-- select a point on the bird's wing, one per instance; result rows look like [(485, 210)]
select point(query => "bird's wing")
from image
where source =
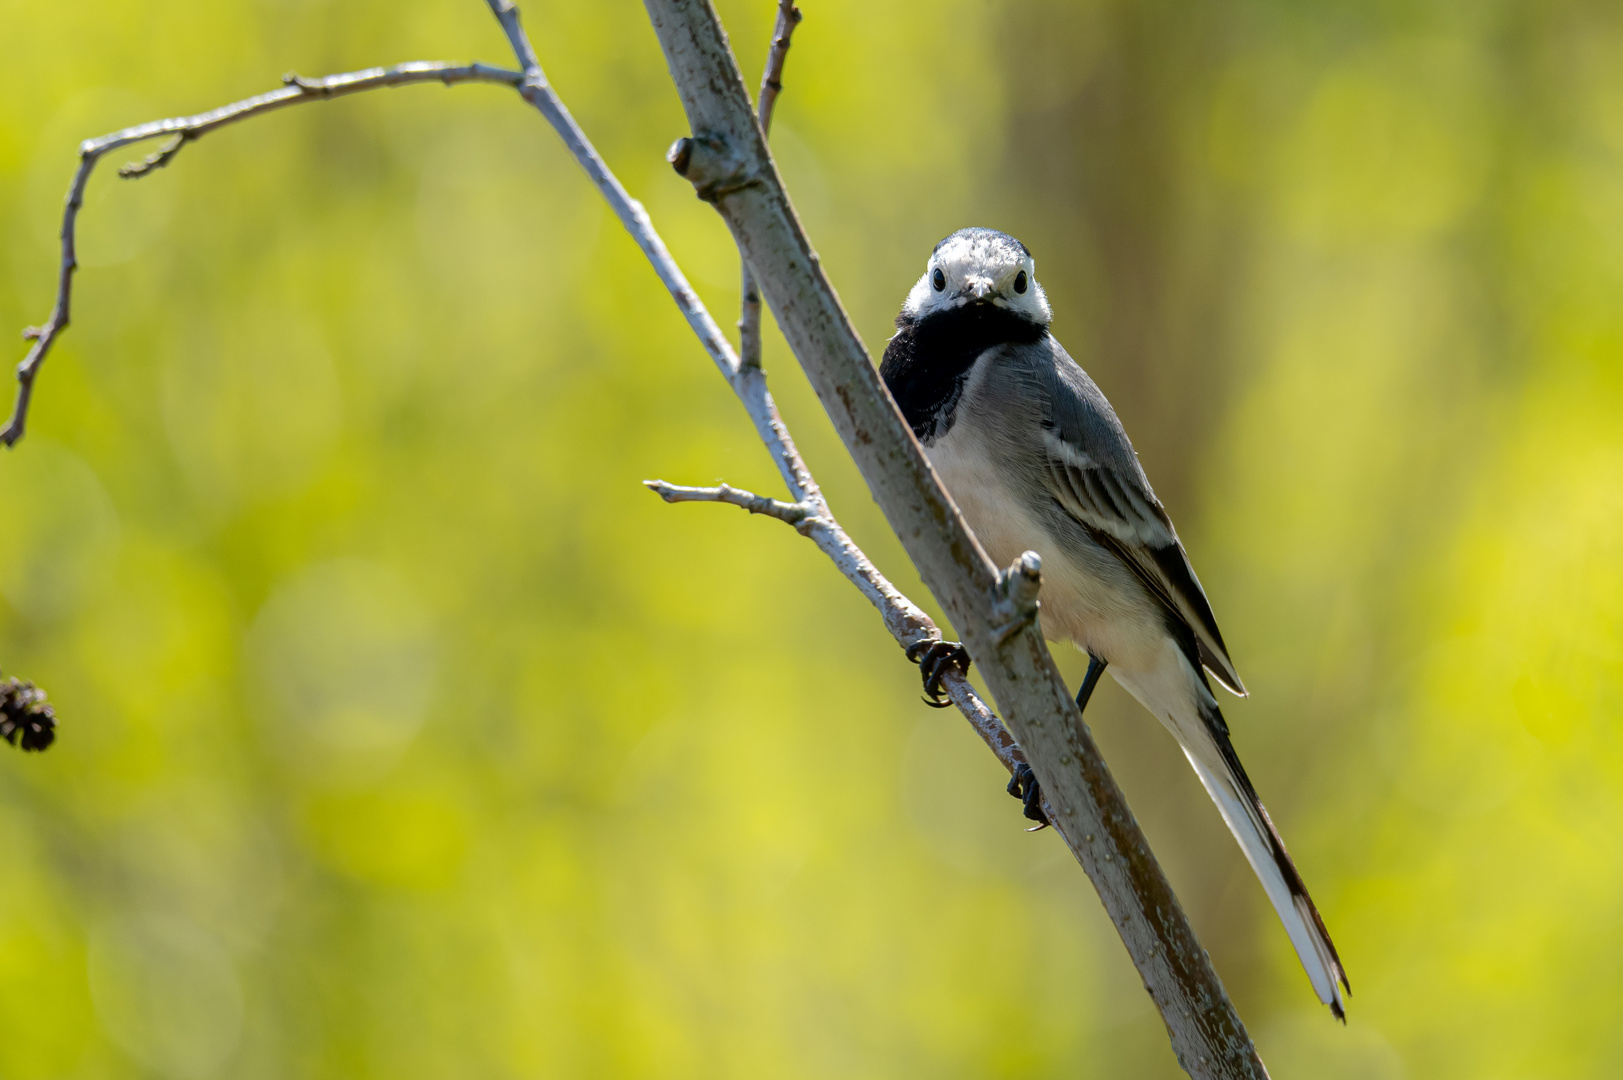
[(1093, 474)]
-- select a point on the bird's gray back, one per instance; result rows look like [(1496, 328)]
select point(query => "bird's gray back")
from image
[(1013, 395), (1016, 392)]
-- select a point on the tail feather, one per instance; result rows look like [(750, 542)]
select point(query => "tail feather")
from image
[(1226, 781)]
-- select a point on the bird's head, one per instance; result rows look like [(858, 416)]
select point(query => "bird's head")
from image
[(979, 266)]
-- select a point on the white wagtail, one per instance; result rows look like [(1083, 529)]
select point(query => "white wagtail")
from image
[(1036, 459)]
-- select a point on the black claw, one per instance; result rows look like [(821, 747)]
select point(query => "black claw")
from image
[(1023, 786), (933, 659)]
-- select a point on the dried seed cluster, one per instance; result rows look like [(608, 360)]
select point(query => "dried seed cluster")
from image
[(26, 719)]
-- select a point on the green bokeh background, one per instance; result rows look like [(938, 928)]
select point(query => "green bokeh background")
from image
[(405, 735)]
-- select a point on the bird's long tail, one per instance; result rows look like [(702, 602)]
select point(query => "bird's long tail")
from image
[(1225, 780)]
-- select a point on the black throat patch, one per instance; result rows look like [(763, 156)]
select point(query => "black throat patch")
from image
[(927, 363)]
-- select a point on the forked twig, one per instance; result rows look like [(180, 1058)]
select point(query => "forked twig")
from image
[(185, 129)]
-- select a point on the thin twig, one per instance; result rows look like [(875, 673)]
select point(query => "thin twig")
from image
[(185, 129), (796, 514), (749, 316), (789, 17)]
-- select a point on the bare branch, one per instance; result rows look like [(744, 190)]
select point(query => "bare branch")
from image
[(727, 161), (749, 317), (795, 514), (153, 161), (772, 77), (185, 129)]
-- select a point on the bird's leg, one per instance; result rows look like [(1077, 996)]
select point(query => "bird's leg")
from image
[(1023, 784), (1096, 668), (933, 659)]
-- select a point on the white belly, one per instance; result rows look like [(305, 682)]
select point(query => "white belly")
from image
[(1001, 522), (1108, 618)]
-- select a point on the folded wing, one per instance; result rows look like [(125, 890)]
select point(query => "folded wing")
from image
[(1122, 514)]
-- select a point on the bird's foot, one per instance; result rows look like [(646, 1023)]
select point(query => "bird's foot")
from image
[(934, 657), (1023, 786)]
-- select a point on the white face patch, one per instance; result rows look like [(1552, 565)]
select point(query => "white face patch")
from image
[(979, 265)]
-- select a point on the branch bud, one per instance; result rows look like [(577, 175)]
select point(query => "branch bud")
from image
[(1016, 604), (710, 164)]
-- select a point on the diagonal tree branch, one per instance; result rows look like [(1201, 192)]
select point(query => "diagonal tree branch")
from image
[(727, 161), (185, 129)]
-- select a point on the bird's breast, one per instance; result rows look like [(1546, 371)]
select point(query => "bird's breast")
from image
[(1000, 520)]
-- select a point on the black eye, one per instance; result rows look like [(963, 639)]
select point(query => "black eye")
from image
[(938, 279), (1020, 282)]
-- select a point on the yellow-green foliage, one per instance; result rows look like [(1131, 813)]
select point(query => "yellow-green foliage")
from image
[(405, 735)]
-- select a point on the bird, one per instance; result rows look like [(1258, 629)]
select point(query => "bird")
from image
[(1035, 458)]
